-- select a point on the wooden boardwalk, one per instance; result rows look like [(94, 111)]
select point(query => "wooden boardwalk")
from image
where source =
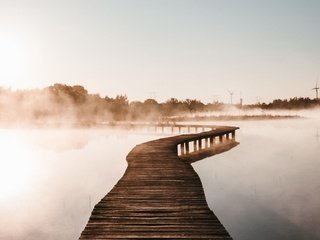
[(160, 196)]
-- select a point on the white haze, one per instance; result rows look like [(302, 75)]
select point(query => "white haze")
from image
[(235, 111), (64, 172), (265, 188)]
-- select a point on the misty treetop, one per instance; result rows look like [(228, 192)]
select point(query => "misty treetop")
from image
[(61, 103)]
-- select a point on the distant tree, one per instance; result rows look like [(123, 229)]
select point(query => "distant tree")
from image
[(150, 102), (135, 110), (118, 107), (78, 93), (194, 105), (61, 93), (174, 107)]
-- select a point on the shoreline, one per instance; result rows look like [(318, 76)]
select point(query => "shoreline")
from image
[(127, 124)]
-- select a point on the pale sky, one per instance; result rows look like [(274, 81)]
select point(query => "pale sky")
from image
[(175, 48)]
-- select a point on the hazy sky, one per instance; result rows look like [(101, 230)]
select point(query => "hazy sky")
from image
[(176, 48)]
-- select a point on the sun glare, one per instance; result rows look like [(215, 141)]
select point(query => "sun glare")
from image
[(16, 166)]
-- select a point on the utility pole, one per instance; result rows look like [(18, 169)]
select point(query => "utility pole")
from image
[(231, 96), (316, 88)]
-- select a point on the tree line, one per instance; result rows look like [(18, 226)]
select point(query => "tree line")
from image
[(64, 103), (291, 104)]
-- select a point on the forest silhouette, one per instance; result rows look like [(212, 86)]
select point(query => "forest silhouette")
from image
[(62, 103)]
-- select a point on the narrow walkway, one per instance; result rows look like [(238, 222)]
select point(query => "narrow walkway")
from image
[(160, 196)]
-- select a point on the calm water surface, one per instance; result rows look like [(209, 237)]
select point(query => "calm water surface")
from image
[(266, 188)]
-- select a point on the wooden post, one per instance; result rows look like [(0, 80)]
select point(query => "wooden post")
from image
[(200, 143), (211, 141), (195, 145), (233, 134), (220, 138), (206, 143), (227, 136), (182, 148), (187, 147)]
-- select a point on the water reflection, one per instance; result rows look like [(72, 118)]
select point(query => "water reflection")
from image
[(15, 175), (267, 187), (51, 179)]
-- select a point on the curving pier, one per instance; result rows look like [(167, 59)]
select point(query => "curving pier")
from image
[(160, 196)]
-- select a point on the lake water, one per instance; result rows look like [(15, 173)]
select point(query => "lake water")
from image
[(266, 188)]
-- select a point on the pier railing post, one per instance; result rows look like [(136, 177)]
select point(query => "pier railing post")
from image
[(182, 149), (211, 141)]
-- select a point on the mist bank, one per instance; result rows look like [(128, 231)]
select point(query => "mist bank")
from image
[(236, 117), (61, 104)]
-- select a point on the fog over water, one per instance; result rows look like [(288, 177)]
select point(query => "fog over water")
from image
[(51, 179), (268, 186), (265, 188)]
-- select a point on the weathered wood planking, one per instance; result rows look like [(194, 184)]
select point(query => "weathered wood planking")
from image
[(160, 196)]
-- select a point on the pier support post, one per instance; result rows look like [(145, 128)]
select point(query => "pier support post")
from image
[(182, 149), (187, 147), (194, 145), (211, 141), (206, 143), (200, 143), (220, 138), (233, 134)]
